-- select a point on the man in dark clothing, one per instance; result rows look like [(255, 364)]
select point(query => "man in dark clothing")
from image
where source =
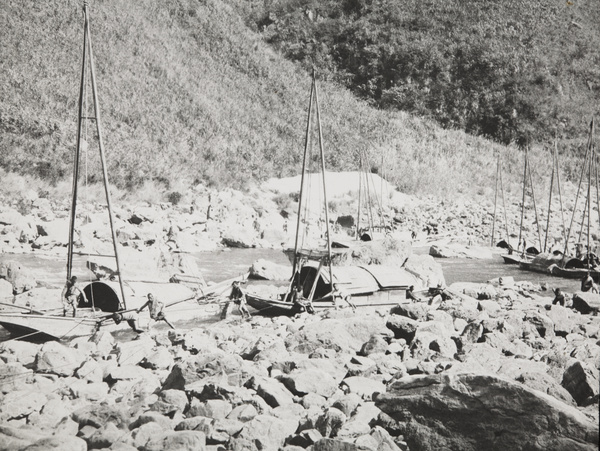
[(559, 297), (411, 295), (587, 284)]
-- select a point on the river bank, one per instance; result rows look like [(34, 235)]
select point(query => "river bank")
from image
[(395, 379), (332, 381)]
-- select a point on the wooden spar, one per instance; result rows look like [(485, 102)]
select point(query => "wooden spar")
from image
[(102, 159), (549, 205), (585, 160), (597, 189), (523, 203), (300, 198), (504, 206), (77, 149), (495, 201), (324, 185), (584, 214), (589, 201), (360, 163), (311, 295), (562, 213), (537, 220)]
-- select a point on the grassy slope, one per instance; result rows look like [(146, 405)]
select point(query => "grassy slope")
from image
[(189, 94), (511, 70)]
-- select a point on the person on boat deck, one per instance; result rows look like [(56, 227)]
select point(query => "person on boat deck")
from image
[(299, 303), (411, 295), (337, 294), (579, 250), (559, 297), (70, 296), (588, 284), (130, 317), (238, 297), (155, 307)]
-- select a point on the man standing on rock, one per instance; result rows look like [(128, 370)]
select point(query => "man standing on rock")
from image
[(70, 296), (155, 307)]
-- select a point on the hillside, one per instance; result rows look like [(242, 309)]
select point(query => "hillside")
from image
[(513, 71), (190, 94)]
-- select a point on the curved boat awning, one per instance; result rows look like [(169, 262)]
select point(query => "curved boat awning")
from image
[(106, 295), (355, 280)]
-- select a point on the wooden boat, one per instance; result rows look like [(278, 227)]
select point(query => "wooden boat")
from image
[(314, 272), (49, 326), (368, 285), (543, 263)]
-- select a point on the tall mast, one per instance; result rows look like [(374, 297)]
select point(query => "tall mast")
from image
[(324, 185), (300, 198), (549, 203), (583, 167), (77, 148), (360, 170), (589, 199), (495, 201), (89, 57), (523, 201)]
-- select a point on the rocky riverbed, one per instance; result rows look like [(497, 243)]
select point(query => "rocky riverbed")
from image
[(495, 366)]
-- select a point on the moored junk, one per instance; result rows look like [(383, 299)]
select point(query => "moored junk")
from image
[(314, 274)]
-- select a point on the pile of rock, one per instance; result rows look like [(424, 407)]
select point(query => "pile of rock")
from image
[(493, 367)]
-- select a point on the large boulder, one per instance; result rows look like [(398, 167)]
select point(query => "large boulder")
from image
[(341, 334), (207, 367), (426, 269), (302, 382), (20, 403), (19, 351), (586, 302), (177, 440), (264, 432), (402, 326), (14, 376), (476, 411), (56, 358), (266, 270), (581, 380), (272, 391)]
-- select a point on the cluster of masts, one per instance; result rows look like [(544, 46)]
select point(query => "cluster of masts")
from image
[(589, 176)]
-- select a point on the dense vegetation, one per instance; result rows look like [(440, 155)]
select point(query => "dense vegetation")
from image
[(515, 71), (190, 94)]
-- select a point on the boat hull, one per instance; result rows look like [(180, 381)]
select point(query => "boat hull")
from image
[(59, 327), (275, 307), (574, 273)]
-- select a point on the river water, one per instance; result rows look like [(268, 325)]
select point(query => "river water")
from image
[(223, 264)]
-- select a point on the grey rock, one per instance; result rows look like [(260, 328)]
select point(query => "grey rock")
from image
[(470, 412)]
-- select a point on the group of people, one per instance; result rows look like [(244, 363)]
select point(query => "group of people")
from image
[(72, 296)]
